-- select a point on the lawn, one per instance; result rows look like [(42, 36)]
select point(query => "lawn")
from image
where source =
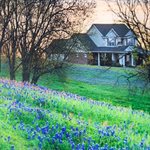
[(33, 117), (101, 84), (98, 83)]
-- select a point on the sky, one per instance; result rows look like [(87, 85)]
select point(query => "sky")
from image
[(101, 14)]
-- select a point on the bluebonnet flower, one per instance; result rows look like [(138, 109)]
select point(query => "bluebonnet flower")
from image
[(72, 145), (40, 146), (64, 129), (8, 138), (45, 129), (40, 139), (12, 147), (142, 143)]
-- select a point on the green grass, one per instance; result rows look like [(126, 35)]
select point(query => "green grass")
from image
[(23, 108), (98, 83), (105, 89)]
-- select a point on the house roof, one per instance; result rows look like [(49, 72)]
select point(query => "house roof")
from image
[(85, 40), (63, 44), (56, 44), (110, 49), (120, 29)]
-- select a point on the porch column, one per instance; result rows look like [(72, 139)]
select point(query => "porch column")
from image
[(99, 63), (132, 60), (113, 57), (122, 60)]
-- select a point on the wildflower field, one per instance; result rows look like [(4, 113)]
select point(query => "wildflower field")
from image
[(33, 117), (98, 83)]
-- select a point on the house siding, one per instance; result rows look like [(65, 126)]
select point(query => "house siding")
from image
[(78, 58), (111, 36), (96, 36)]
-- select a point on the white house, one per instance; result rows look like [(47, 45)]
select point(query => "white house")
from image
[(114, 44), (106, 44)]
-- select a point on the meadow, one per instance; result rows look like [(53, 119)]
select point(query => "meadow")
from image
[(34, 117), (98, 83), (101, 84)]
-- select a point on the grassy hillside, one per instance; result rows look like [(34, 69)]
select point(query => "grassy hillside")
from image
[(98, 83), (34, 117), (102, 84)]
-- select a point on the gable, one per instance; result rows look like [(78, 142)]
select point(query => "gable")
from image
[(93, 30), (112, 33), (96, 36), (86, 41), (130, 34), (129, 49)]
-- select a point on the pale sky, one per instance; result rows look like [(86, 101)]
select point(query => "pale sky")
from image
[(102, 14)]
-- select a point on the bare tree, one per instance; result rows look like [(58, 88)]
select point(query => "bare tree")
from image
[(35, 24), (54, 58), (136, 15), (11, 36), (43, 21), (5, 17)]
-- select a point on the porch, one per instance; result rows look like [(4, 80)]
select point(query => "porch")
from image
[(113, 59)]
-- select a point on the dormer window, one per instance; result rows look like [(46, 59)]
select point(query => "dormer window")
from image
[(120, 41), (130, 41), (111, 42)]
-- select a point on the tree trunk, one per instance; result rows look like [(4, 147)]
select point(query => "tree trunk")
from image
[(12, 74), (12, 61), (25, 72), (0, 56), (35, 79)]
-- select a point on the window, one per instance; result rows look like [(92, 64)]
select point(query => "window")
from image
[(130, 41), (85, 55), (111, 42), (57, 57), (120, 41)]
